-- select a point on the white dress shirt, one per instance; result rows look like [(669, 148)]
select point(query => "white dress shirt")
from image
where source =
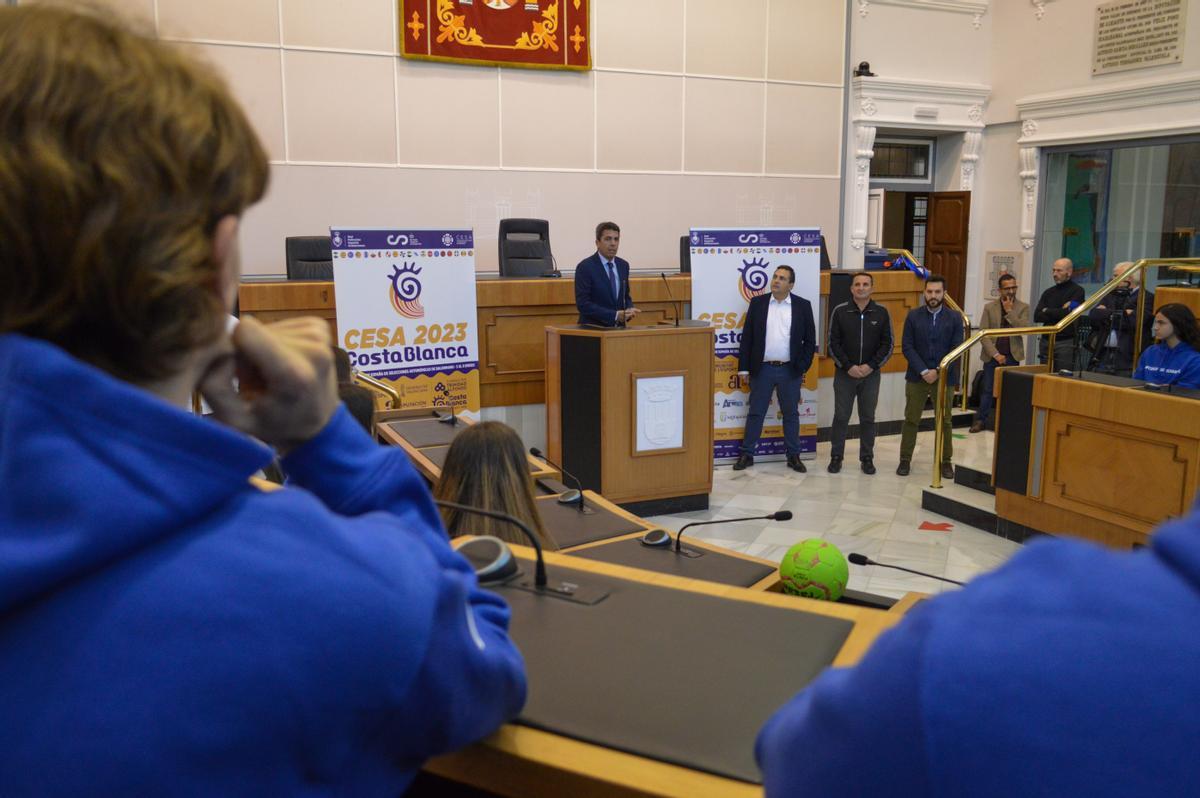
[(779, 330)]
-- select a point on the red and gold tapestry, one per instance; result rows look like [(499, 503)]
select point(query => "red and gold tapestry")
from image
[(541, 34)]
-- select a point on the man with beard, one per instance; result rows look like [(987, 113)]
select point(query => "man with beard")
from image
[(1057, 301), (930, 332), (1007, 311)]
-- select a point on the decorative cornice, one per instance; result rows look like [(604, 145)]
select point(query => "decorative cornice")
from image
[(920, 90), (1118, 97), (975, 7)]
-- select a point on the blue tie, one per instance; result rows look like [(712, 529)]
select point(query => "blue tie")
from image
[(612, 278)]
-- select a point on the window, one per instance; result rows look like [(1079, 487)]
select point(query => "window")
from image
[(1107, 203), (899, 160)]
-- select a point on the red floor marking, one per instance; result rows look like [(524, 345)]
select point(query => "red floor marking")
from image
[(929, 526)]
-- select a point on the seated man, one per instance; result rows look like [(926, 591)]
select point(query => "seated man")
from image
[(165, 627), (1114, 327)]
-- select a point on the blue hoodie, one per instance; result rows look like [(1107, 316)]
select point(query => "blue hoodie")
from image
[(1163, 365), (1071, 671), (168, 629)]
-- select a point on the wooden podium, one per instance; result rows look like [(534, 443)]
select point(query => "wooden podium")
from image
[(629, 412)]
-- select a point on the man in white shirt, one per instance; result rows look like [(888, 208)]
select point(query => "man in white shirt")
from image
[(778, 343)]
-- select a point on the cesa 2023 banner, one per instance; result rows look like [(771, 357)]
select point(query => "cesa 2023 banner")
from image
[(731, 266), (406, 311)]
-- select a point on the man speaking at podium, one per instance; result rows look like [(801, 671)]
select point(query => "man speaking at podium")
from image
[(602, 282), (778, 343)]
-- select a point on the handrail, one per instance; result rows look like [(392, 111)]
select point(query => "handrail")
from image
[(382, 387), (966, 320), (1138, 268)]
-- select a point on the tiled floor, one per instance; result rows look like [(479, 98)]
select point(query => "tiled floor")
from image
[(878, 516)]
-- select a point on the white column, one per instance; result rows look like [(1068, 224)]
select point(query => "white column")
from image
[(971, 146), (1029, 183), (864, 136)]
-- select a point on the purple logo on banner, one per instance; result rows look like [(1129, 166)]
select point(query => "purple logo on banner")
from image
[(406, 291), (401, 239), (804, 237)]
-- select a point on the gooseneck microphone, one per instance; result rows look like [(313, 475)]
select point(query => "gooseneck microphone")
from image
[(862, 559), (570, 591), (573, 496), (539, 579), (782, 515), (678, 307), (451, 419)]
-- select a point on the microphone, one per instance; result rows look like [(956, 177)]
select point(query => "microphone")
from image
[(451, 419), (678, 307), (540, 577), (782, 515), (862, 559), (571, 591), (573, 496)]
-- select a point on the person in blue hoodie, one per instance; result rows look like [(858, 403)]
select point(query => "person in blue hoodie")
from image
[(1175, 358), (166, 627), (1072, 670)]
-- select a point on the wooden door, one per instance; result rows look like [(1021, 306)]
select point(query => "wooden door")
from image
[(946, 239)]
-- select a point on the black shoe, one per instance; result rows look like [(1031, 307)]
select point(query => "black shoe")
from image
[(948, 471), (743, 461), (868, 467), (976, 426), (904, 467), (796, 464), (835, 465)]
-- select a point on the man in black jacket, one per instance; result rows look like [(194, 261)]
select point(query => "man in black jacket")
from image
[(778, 343), (860, 342), (1057, 301)]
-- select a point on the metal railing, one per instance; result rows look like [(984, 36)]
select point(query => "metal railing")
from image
[(1137, 270)]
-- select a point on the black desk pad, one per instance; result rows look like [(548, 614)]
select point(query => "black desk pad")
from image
[(424, 432), (711, 566), (569, 527), (672, 675), (437, 456)]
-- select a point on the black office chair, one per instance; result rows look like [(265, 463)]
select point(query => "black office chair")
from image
[(525, 248), (685, 254), (308, 257)]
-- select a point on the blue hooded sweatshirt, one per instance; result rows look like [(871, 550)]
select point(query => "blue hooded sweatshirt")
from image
[(1071, 671), (1163, 365), (168, 629)]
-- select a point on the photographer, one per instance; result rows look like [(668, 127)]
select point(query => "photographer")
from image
[(1114, 326)]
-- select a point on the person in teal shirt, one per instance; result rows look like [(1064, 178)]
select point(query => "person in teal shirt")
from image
[(1175, 359)]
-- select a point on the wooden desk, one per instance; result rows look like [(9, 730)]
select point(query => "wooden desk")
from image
[(1107, 463), (1184, 296), (427, 467), (520, 761), (512, 314)]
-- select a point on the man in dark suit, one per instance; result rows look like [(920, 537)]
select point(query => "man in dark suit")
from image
[(1114, 327), (602, 282), (778, 343)]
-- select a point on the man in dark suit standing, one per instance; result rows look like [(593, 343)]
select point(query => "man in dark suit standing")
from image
[(778, 343), (602, 282)]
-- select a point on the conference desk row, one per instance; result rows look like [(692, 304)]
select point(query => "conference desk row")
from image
[(660, 688), (512, 315)]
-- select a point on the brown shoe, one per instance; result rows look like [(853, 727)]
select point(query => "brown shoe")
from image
[(976, 426)]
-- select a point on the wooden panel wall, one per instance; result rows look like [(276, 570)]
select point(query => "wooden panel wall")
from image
[(512, 316)]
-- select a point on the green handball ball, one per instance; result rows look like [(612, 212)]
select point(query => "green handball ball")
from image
[(815, 569)]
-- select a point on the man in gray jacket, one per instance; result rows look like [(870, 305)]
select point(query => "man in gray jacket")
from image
[(1007, 311)]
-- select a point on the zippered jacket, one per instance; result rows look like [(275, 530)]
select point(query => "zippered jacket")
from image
[(862, 337)]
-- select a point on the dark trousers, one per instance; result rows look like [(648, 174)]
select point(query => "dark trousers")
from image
[(774, 379), (845, 390), (915, 395), (986, 400), (1064, 352)]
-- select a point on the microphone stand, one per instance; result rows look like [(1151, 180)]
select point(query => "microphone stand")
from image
[(678, 307), (782, 515), (573, 496)]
